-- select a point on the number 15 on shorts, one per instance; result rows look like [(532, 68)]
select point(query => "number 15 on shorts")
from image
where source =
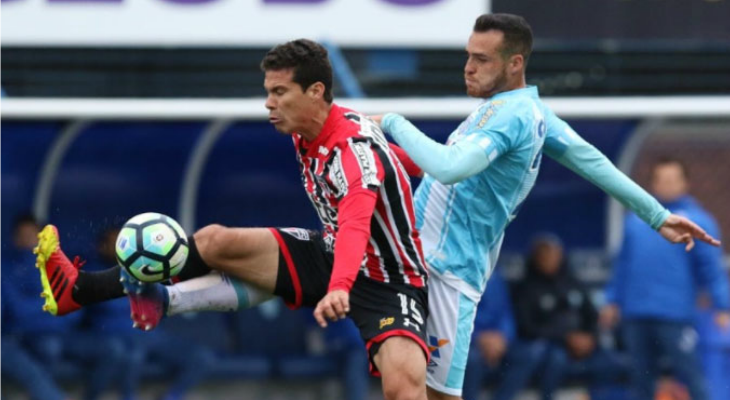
[(411, 313)]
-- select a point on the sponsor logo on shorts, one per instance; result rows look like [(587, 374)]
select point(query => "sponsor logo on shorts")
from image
[(386, 322), (416, 325), (434, 344), (297, 233)]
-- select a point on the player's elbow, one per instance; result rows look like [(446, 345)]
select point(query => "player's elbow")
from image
[(458, 164), (447, 176)]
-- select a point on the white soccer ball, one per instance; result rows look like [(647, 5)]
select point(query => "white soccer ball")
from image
[(152, 247)]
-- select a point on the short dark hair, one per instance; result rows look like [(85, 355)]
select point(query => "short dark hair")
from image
[(668, 160), (24, 219), (516, 30), (307, 58)]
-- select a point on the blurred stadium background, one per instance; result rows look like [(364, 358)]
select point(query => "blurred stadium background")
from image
[(115, 107)]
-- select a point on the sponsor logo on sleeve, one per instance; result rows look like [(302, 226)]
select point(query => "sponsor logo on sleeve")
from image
[(366, 161), (337, 175)]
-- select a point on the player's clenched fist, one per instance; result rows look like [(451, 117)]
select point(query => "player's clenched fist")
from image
[(335, 305)]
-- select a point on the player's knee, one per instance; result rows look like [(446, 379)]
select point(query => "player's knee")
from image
[(218, 244), (405, 388), (407, 385), (210, 240), (436, 395)]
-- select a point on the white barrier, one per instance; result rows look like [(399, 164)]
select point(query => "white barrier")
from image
[(421, 108)]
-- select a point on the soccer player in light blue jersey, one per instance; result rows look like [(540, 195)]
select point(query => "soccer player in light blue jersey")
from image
[(475, 183)]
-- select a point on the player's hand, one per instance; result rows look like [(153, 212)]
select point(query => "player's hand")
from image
[(678, 229), (378, 119), (722, 319), (334, 306)]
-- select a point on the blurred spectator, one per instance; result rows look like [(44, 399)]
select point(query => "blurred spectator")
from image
[(556, 327), (110, 321), (345, 345), (34, 344), (340, 342), (20, 367), (301, 349), (714, 351), (494, 331), (655, 285)]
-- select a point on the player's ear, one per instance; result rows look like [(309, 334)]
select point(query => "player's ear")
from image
[(516, 63), (316, 90)]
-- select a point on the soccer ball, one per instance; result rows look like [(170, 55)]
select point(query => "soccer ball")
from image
[(152, 247)]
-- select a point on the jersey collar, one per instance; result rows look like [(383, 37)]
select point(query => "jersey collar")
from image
[(530, 91), (329, 127)]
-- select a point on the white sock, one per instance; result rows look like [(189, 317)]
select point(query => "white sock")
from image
[(213, 292)]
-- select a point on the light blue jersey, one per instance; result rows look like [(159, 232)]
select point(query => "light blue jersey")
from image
[(475, 185), (462, 224)]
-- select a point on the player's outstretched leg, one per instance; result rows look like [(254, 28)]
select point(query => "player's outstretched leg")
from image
[(247, 259), (246, 255), (402, 364)]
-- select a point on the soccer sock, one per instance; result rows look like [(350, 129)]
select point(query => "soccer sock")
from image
[(95, 287), (194, 265), (213, 292)]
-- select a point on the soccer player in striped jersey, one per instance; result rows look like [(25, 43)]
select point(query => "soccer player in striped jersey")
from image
[(475, 184), (367, 263)]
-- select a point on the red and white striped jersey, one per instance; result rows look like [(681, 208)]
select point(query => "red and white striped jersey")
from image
[(362, 194)]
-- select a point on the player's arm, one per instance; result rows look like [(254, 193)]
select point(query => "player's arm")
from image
[(565, 146), (412, 169), (363, 174), (447, 164)]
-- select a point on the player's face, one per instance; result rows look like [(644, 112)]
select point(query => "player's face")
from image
[(485, 72), (289, 106), (668, 182)]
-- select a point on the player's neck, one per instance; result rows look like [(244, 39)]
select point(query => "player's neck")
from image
[(314, 126), (515, 84)]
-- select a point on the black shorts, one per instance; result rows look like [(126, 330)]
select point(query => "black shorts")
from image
[(380, 310)]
